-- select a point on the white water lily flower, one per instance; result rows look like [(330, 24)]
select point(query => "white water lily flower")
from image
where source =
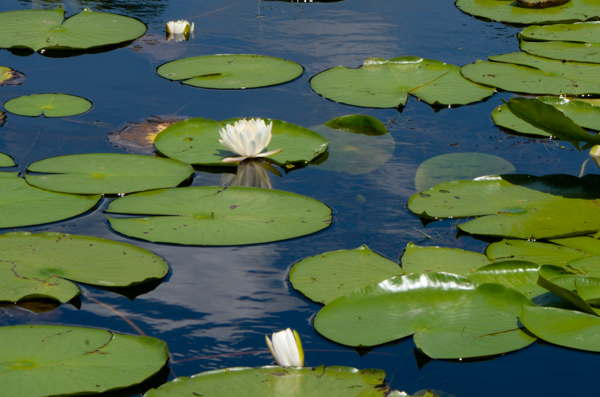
[(286, 348), (247, 138), (595, 154), (180, 27)]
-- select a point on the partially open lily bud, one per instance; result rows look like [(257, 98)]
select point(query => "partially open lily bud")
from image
[(286, 348), (595, 154), (180, 27)]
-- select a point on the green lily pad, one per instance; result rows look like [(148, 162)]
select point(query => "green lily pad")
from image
[(439, 259), (519, 206), (382, 83), (533, 251), (521, 72), (9, 76), (24, 205), (450, 316), (229, 72), (278, 381), (357, 144), (43, 265), (323, 278), (508, 11), (50, 360), (579, 290), (6, 160), (219, 216), (457, 166), (107, 173), (587, 266), (50, 105), (196, 141), (37, 29), (572, 42), (563, 327)]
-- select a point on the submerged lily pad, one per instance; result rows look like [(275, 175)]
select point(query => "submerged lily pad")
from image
[(24, 205), (196, 141), (509, 11), (50, 360), (138, 138), (440, 259), (9, 76), (458, 166), (50, 105), (218, 216), (107, 173), (37, 29), (572, 42), (450, 316), (43, 265), (521, 72), (229, 72), (519, 206), (278, 381), (382, 83)]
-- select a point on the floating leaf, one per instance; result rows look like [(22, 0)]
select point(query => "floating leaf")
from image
[(588, 266), (358, 124), (521, 72), (9, 76), (49, 360), (50, 105), (322, 278), (519, 206), (510, 12), (457, 166), (107, 173), (439, 259), (37, 29), (196, 141), (138, 138), (43, 265), (229, 72), (278, 381), (24, 205), (533, 251), (450, 316), (219, 216), (6, 160)]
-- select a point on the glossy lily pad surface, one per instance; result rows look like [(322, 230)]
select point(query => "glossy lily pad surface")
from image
[(560, 253), (440, 259), (218, 216), (228, 72), (43, 265), (49, 105), (49, 360), (196, 141), (38, 29)]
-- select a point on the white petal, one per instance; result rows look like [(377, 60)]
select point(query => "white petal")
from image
[(233, 159), (281, 347), (292, 348), (271, 349), (269, 153)]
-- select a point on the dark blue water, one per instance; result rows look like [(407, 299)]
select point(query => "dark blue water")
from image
[(217, 304)]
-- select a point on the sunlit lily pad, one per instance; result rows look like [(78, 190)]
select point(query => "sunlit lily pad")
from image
[(50, 360), (229, 72), (565, 288), (108, 173), (278, 381), (572, 42), (43, 265), (196, 141), (23, 205), (6, 160), (382, 83), (519, 206), (138, 138), (542, 253), (440, 259), (49, 105), (450, 316), (37, 29), (509, 11), (357, 144), (458, 166), (521, 72), (322, 278), (9, 76), (218, 216)]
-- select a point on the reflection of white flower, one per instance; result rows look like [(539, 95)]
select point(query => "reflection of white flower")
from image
[(180, 27), (247, 138), (251, 173), (595, 154), (286, 348)]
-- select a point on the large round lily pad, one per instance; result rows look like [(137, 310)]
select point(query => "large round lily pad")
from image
[(382, 83), (49, 360), (219, 216), (107, 173), (521, 72), (278, 381), (572, 42), (9, 76), (509, 11), (450, 316), (43, 265), (441, 259), (37, 29), (196, 141), (50, 105), (229, 72), (23, 205)]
